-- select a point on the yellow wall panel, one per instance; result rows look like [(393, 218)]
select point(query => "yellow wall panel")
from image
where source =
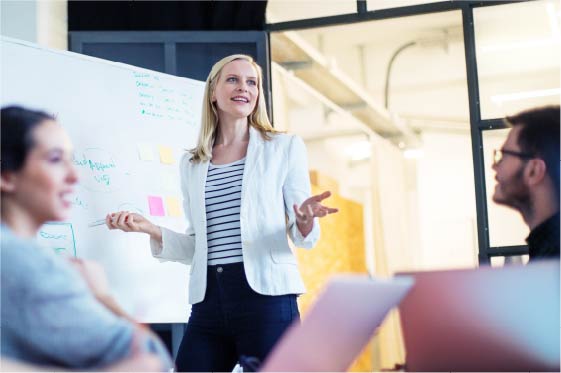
[(341, 249)]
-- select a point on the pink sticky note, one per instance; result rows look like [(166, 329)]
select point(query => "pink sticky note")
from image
[(156, 206)]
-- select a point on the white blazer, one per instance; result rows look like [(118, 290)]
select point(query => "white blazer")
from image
[(275, 177)]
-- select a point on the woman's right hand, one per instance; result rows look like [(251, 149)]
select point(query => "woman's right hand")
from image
[(133, 222)]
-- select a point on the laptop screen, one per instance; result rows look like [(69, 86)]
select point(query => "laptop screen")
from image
[(487, 319), (338, 326)]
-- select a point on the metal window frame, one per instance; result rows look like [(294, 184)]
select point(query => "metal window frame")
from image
[(477, 125)]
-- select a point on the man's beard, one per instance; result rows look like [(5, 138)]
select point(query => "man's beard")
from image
[(515, 193)]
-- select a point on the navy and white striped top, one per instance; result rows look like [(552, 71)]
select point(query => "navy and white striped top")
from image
[(223, 191)]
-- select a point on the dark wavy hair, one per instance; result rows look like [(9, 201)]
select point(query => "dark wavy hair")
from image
[(539, 136), (17, 125)]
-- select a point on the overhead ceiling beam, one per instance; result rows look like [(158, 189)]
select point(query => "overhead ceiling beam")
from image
[(323, 76), (296, 65), (334, 134)]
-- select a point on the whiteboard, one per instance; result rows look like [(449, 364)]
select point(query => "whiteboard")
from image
[(129, 127)]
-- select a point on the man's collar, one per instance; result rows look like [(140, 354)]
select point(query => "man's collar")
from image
[(545, 237)]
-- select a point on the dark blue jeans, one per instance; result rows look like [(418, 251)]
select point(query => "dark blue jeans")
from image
[(231, 321)]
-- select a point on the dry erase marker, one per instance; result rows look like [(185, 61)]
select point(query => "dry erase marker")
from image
[(96, 223)]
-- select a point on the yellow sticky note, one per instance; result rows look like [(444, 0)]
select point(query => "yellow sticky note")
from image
[(145, 152), (166, 155), (172, 206)]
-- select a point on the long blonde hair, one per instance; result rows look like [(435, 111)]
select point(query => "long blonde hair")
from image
[(258, 119)]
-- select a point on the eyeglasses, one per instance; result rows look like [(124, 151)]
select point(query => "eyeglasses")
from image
[(498, 155)]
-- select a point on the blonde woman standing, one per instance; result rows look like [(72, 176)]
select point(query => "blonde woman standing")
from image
[(245, 186)]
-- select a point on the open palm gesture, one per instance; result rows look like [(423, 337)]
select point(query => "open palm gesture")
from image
[(310, 209)]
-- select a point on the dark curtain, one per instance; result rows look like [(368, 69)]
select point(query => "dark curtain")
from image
[(166, 15)]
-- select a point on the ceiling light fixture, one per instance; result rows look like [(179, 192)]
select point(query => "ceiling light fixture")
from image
[(359, 151), (533, 43), (413, 153), (499, 99)]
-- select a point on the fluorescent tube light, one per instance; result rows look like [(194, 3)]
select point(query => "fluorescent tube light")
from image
[(413, 153), (499, 99), (359, 151), (534, 43)]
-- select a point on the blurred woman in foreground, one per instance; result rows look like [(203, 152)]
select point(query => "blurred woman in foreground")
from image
[(53, 313)]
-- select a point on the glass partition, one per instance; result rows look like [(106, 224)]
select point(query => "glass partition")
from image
[(501, 261), (292, 10), (518, 48), (384, 4), (506, 227)]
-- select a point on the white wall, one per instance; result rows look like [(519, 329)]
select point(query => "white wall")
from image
[(19, 19), (42, 22), (446, 195)]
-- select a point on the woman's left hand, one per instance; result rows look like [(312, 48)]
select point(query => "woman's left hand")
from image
[(310, 209)]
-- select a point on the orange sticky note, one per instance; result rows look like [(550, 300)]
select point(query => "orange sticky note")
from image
[(172, 206), (166, 155)]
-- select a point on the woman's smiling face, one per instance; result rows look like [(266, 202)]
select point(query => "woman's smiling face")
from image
[(43, 187), (237, 90)]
